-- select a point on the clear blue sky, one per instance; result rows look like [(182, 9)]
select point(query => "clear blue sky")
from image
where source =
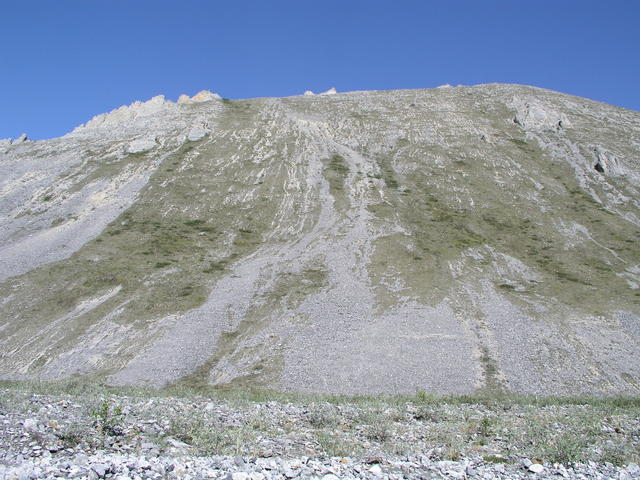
[(63, 61)]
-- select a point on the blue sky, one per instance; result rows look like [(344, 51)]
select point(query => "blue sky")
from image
[(63, 62)]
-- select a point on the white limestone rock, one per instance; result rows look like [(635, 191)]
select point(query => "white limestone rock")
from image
[(608, 163), (197, 132), (205, 96), (376, 470), (5, 143), (142, 145), (126, 114), (331, 91), (309, 93), (201, 96), (30, 425), (536, 117), (536, 468)]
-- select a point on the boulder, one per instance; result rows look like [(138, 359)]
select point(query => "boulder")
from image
[(536, 468), (197, 132), (30, 425), (100, 469), (141, 145), (607, 163), (536, 117)]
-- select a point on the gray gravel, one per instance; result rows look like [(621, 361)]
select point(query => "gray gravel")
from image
[(74, 436)]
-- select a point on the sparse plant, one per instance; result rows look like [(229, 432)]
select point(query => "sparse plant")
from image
[(334, 445), (427, 414), (107, 418), (72, 435), (424, 397), (484, 430), (322, 417), (258, 423), (453, 454), (378, 432), (495, 459), (564, 448), (618, 454), (204, 435)]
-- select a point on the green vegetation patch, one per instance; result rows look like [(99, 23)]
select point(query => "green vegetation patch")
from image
[(161, 256), (483, 197), (336, 172)]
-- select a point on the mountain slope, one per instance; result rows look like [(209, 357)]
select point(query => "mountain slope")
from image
[(447, 240)]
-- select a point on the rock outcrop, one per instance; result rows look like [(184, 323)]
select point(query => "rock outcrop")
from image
[(205, 96), (331, 91), (142, 145), (197, 132), (533, 116), (127, 114), (202, 96), (5, 143)]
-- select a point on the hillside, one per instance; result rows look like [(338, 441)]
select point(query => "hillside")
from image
[(451, 240)]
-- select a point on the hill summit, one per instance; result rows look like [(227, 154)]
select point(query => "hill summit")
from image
[(450, 240)]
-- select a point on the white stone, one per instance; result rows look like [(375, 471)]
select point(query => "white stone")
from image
[(196, 133), (127, 114), (240, 476), (536, 468), (536, 117), (100, 469), (309, 93), (331, 91), (609, 163), (184, 99), (376, 470), (205, 96), (30, 425), (141, 145)]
